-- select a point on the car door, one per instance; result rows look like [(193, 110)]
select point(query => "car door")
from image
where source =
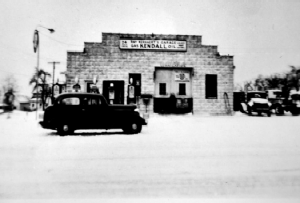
[(69, 110), (93, 112)]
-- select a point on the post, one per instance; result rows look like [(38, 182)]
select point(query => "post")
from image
[(36, 47), (36, 42), (54, 62)]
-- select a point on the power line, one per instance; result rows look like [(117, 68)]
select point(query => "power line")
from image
[(22, 52), (15, 73), (63, 42)]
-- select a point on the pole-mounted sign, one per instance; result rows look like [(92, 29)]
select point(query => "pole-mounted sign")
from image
[(35, 40)]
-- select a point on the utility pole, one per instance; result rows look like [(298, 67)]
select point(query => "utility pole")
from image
[(36, 47), (54, 62)]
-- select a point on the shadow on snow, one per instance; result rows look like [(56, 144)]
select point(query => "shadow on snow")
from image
[(92, 133)]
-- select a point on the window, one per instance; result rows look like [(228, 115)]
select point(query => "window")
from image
[(91, 101), (70, 101), (94, 101), (182, 89), (89, 87), (211, 84), (162, 89)]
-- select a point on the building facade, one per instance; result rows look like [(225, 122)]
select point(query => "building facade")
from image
[(159, 73)]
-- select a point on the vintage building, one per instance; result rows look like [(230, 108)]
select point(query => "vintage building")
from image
[(163, 73)]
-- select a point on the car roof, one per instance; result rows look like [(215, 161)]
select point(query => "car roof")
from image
[(77, 94), (256, 92)]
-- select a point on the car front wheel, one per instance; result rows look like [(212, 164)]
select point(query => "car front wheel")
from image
[(249, 112), (133, 128), (279, 110)]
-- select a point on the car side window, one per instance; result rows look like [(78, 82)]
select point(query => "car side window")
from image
[(70, 101), (95, 101), (91, 101)]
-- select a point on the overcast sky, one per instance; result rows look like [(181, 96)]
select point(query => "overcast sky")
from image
[(262, 35)]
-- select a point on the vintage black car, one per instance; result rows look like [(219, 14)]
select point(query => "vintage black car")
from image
[(292, 103), (74, 111), (258, 102), (282, 104)]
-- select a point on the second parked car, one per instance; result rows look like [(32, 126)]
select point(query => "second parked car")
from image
[(258, 102)]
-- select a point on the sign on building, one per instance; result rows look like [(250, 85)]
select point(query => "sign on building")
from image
[(182, 76), (168, 45)]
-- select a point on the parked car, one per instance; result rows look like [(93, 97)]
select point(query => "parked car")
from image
[(276, 99), (73, 111), (258, 102), (291, 103)]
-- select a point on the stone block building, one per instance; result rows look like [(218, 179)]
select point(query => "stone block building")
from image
[(163, 73)]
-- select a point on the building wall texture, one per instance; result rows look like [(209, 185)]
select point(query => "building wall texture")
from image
[(107, 61)]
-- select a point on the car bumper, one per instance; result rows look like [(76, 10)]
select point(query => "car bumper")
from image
[(46, 125), (260, 109), (144, 121)]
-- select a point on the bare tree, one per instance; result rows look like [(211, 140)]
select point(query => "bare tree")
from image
[(275, 81), (10, 83), (286, 81), (293, 78), (248, 86)]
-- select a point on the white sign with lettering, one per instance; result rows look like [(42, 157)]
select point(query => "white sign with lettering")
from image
[(182, 76), (170, 45)]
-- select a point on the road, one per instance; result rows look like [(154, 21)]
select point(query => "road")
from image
[(174, 157)]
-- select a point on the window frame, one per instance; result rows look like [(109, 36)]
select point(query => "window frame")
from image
[(184, 90), (70, 98), (211, 86), (161, 92)]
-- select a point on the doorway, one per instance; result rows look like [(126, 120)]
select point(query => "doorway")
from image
[(134, 87), (113, 91), (173, 90)]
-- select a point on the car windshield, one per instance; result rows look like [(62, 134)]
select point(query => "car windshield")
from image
[(257, 95), (277, 94)]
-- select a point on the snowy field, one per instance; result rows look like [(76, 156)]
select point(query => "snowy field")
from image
[(173, 158)]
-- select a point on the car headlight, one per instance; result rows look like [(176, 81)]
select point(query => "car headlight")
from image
[(137, 111)]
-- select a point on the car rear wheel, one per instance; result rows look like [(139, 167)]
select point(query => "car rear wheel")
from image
[(295, 112), (64, 129)]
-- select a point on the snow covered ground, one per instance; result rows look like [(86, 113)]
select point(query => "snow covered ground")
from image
[(193, 157)]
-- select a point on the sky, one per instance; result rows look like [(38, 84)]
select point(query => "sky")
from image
[(262, 35)]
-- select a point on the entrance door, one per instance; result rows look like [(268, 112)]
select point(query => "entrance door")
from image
[(134, 87), (173, 90), (113, 91)]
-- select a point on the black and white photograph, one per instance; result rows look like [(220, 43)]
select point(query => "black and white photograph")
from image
[(150, 101)]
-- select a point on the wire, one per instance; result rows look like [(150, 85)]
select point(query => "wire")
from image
[(14, 73), (62, 42), (22, 52)]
